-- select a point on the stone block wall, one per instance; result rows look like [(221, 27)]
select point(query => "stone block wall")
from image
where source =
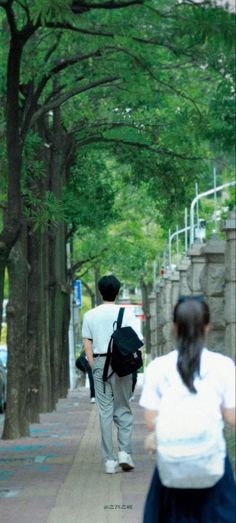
[(229, 227), (197, 263), (183, 267), (209, 269), (158, 350), (212, 283), (153, 322)]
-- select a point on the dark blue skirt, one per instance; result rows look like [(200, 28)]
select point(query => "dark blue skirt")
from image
[(212, 505)]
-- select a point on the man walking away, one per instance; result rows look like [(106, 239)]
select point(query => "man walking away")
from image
[(113, 398)]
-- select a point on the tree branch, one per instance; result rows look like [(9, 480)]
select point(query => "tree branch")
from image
[(60, 66), (63, 98), (70, 27), (191, 3), (153, 76), (111, 125), (66, 62), (58, 90), (139, 145), (92, 32), (53, 48), (25, 8), (11, 18), (90, 292), (6, 4), (84, 273), (79, 264), (110, 4), (162, 14)]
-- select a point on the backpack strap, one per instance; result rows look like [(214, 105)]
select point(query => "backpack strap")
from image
[(120, 317), (106, 366), (118, 322)]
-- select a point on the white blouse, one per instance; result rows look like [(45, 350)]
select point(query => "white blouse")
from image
[(217, 373)]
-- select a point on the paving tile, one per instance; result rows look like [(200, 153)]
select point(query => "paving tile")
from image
[(57, 474)]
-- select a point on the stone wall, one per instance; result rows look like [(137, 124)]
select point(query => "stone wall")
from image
[(153, 322), (208, 269), (229, 227), (212, 282)]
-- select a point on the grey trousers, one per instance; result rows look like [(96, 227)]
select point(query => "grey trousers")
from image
[(113, 405)]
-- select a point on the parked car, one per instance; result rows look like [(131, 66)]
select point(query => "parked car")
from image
[(3, 355), (3, 387)]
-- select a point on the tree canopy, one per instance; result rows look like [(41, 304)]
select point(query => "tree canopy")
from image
[(110, 112)]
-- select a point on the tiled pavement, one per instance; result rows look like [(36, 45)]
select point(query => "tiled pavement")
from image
[(56, 475)]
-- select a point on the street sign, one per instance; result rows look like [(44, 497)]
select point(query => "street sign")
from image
[(78, 293)]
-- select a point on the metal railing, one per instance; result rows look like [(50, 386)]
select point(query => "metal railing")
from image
[(199, 197), (171, 238), (192, 226)]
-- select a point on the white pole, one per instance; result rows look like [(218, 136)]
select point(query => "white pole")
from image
[(170, 253), (154, 274), (185, 226), (71, 329), (177, 242), (165, 259), (215, 198), (174, 234), (197, 206)]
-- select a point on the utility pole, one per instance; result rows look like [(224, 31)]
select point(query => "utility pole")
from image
[(71, 328), (215, 200)]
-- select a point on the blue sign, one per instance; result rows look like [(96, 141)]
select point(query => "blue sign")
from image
[(78, 293)]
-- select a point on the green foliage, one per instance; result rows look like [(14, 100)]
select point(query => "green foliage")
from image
[(89, 194), (3, 338), (45, 212), (33, 165), (50, 10), (128, 245), (146, 96)]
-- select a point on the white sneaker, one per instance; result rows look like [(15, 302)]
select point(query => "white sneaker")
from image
[(125, 461), (110, 466), (92, 400)]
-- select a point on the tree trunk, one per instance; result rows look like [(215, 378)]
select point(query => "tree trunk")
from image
[(64, 370), (38, 350), (58, 304), (39, 396), (97, 277), (58, 287), (17, 420), (13, 214), (45, 392), (34, 344)]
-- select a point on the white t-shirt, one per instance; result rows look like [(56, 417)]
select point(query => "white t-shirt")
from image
[(216, 371), (98, 325)]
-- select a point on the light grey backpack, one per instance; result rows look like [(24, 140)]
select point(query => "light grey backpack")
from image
[(190, 441)]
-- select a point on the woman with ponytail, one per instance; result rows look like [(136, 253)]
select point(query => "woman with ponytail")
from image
[(197, 372)]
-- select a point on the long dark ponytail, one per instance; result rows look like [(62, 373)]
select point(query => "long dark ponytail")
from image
[(191, 315)]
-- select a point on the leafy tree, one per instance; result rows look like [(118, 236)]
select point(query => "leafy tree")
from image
[(79, 130)]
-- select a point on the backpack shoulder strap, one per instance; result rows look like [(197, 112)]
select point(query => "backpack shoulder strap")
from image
[(118, 322), (107, 363), (120, 317)]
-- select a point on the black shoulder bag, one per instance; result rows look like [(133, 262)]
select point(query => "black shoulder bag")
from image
[(123, 353)]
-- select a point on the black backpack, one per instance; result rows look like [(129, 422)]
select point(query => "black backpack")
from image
[(123, 352)]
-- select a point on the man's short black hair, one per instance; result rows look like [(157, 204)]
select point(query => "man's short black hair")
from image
[(109, 287)]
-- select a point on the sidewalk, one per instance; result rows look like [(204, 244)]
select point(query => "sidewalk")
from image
[(56, 475)]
